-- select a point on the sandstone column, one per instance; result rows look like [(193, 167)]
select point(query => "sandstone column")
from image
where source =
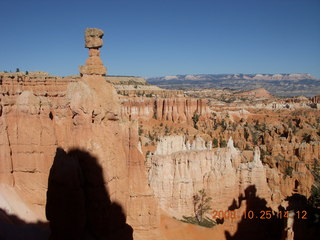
[(105, 100), (93, 41)]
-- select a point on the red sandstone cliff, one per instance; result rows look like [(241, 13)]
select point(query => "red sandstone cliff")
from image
[(37, 117), (164, 109)]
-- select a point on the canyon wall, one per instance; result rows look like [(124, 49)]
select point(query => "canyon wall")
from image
[(83, 115), (177, 174), (164, 109), (287, 159)]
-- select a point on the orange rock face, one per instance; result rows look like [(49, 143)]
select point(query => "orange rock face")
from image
[(165, 109), (38, 117), (289, 149)]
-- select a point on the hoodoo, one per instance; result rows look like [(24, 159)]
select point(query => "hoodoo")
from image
[(93, 41)]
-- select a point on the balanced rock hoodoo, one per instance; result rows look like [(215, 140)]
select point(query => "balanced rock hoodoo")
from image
[(93, 41)]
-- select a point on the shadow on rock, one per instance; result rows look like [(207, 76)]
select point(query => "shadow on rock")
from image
[(306, 223), (14, 228), (258, 221), (78, 204), (306, 218)]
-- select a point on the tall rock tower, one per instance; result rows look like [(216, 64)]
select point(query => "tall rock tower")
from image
[(103, 97), (93, 41)]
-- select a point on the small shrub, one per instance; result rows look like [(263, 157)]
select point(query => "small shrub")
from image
[(215, 142), (166, 130), (215, 126), (151, 137), (223, 144), (246, 134), (223, 125), (140, 130), (288, 171), (295, 130), (147, 154), (206, 222), (195, 119), (247, 147), (263, 154), (255, 137), (306, 138)]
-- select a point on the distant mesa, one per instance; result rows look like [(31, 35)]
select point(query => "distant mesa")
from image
[(277, 84), (257, 93), (206, 77)]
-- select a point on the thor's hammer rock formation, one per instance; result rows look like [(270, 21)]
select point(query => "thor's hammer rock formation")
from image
[(93, 41)]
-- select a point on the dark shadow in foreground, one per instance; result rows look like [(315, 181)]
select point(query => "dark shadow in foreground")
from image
[(259, 222), (14, 228), (306, 219), (78, 204)]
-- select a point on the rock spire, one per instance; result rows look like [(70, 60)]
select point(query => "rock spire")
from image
[(93, 41)]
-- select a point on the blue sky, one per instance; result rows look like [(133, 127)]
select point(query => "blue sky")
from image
[(163, 37)]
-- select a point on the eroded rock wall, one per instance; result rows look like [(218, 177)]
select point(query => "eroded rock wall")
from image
[(32, 127), (165, 109), (177, 176)]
